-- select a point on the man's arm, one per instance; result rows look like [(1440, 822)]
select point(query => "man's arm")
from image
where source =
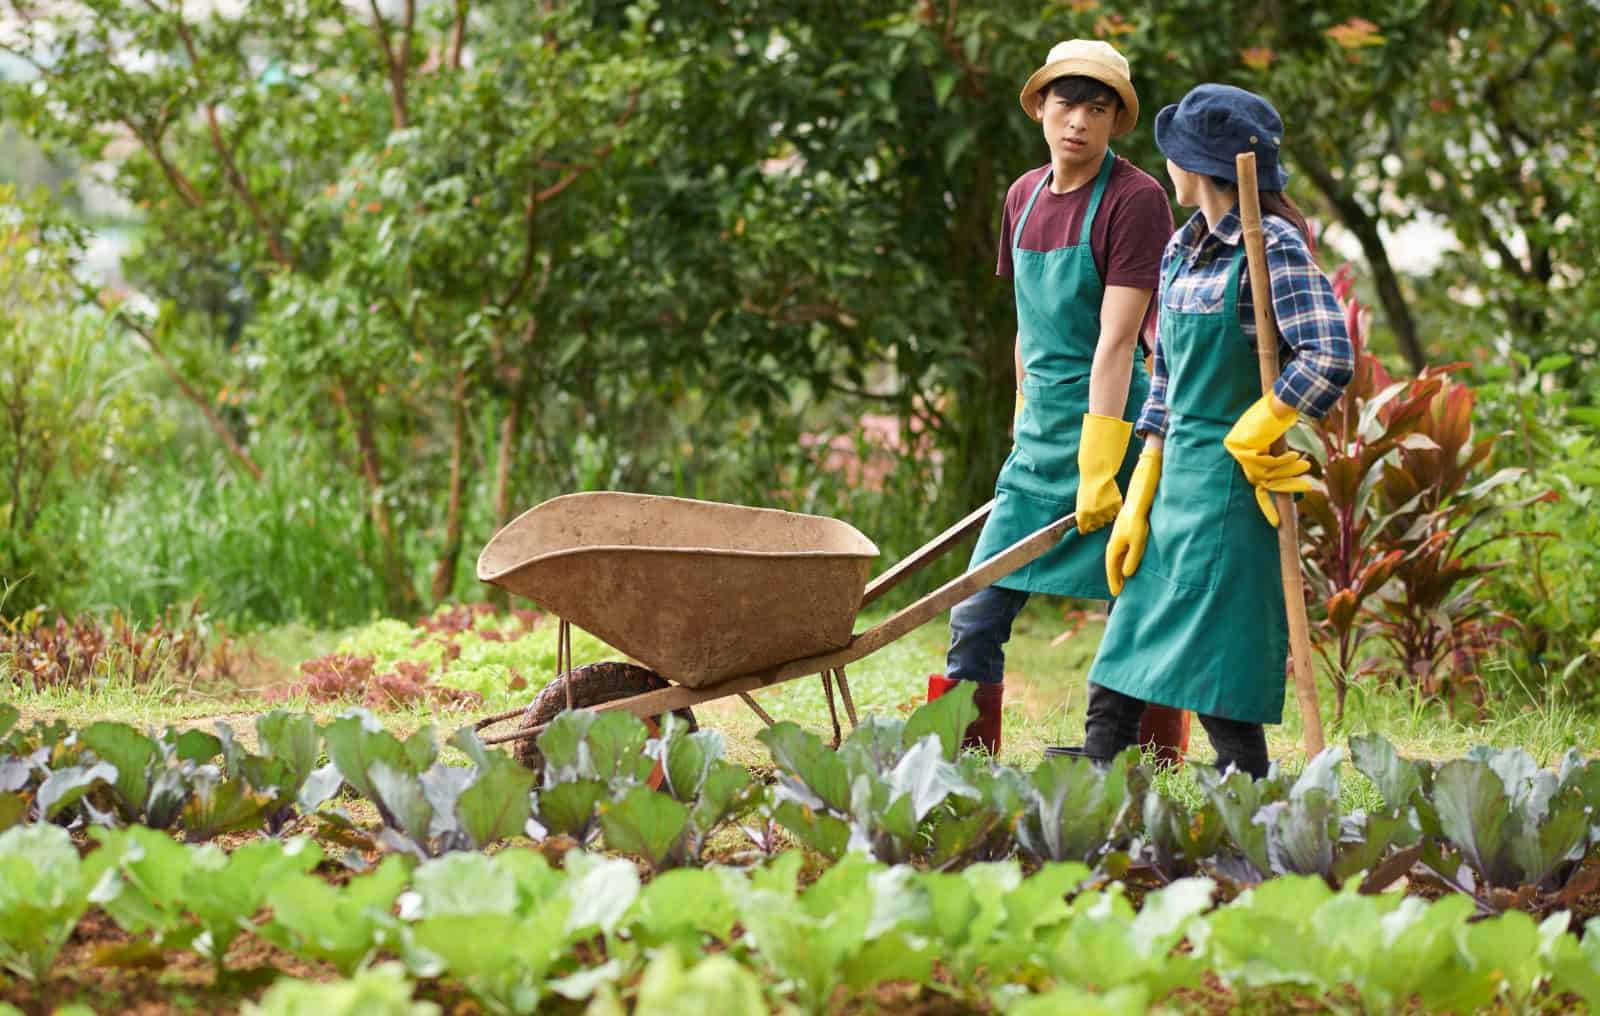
[(1121, 315)]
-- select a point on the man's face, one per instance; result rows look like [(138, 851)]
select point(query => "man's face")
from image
[(1077, 132)]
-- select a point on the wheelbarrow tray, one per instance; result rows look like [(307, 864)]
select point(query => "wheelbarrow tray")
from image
[(523, 548), (698, 591)]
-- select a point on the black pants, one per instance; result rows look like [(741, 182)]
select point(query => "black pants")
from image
[(1113, 724)]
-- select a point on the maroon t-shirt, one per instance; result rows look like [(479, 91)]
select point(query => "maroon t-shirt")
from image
[(1128, 236)]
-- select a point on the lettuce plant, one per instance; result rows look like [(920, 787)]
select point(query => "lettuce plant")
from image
[(429, 808), (1081, 811), (884, 788), (44, 889)]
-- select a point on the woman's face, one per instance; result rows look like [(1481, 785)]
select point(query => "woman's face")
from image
[(1185, 185)]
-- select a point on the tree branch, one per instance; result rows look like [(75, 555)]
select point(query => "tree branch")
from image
[(1365, 227), (399, 62), (188, 390), (539, 197), (458, 37), (230, 168)]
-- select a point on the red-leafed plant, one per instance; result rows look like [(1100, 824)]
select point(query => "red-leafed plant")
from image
[(347, 677), (1393, 531), (1442, 513), (43, 652)]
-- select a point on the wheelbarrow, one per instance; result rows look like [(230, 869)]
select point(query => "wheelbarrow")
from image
[(711, 600)]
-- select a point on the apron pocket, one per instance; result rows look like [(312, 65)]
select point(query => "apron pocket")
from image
[(1046, 451), (1188, 521)]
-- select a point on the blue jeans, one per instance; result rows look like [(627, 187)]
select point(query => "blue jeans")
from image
[(980, 626)]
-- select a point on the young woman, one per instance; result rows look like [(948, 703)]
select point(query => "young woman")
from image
[(1200, 622)]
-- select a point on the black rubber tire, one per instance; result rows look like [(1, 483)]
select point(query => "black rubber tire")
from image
[(592, 685)]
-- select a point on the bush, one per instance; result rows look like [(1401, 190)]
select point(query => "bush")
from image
[(1399, 531), (1554, 591), (69, 423)]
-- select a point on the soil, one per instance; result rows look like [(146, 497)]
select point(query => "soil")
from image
[(107, 969)]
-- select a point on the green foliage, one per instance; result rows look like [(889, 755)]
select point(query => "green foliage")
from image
[(887, 785), (424, 271), (1399, 533), (1552, 593), (514, 932), (1079, 811), (334, 923), (73, 421), (295, 546), (381, 990), (44, 889)]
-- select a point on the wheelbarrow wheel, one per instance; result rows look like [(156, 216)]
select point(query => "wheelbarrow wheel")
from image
[(592, 685)]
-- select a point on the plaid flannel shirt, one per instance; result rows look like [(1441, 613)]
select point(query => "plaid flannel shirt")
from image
[(1314, 349)]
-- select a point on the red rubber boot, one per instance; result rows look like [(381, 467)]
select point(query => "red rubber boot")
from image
[(1165, 731), (983, 732)]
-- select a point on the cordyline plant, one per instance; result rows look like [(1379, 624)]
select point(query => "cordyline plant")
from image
[(1394, 528)]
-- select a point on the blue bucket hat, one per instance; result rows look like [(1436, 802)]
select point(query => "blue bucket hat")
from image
[(1214, 123)]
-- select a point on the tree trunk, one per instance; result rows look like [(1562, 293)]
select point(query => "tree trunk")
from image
[(984, 414), (444, 570), (505, 458), (510, 430), (1365, 227), (402, 596)]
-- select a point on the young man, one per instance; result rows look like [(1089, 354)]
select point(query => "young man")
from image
[(1081, 239)]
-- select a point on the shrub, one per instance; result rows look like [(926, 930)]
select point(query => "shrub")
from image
[(1398, 531), (1555, 590), (70, 421)]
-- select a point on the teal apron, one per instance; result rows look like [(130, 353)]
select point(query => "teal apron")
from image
[(1058, 326), (1201, 624)]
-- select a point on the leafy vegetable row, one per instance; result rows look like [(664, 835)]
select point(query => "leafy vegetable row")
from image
[(514, 931), (1492, 825)]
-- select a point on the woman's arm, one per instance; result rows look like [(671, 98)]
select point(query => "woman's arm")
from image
[(1318, 360), (1152, 425)]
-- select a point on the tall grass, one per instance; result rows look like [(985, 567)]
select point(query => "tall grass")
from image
[(294, 546)]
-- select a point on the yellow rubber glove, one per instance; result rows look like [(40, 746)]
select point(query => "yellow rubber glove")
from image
[(1250, 442), (1101, 446), (1132, 529), (1017, 410)]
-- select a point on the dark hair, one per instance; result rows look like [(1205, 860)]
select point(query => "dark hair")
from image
[(1077, 88), (1277, 203)]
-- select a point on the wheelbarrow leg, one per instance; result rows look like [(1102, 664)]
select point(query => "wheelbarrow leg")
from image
[(766, 717), (833, 713), (844, 692), (564, 658)]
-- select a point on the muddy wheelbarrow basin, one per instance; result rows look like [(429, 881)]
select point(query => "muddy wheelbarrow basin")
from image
[(713, 599), (698, 591)]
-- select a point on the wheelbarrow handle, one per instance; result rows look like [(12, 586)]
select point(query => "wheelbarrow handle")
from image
[(928, 552)]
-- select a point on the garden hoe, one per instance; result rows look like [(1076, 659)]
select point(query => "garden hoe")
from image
[(1294, 601)]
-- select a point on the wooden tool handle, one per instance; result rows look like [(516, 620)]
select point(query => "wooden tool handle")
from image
[(1294, 601)]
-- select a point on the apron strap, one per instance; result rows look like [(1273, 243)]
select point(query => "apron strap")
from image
[(1016, 234), (1100, 182), (1230, 296)]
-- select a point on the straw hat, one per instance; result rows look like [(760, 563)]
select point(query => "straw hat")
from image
[(1089, 58)]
